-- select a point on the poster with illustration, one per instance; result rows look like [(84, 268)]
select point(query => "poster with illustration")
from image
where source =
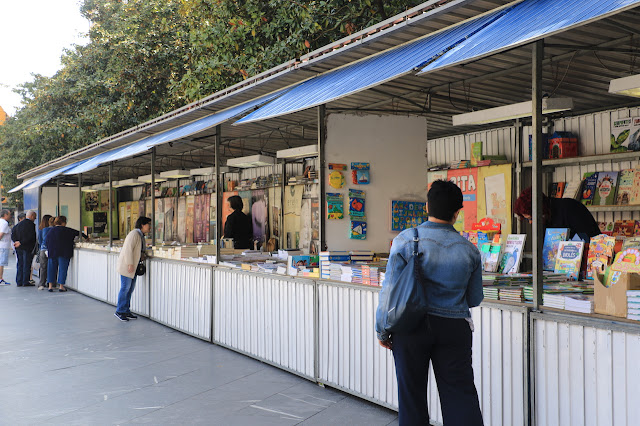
[(305, 225), (91, 201), (202, 206), (259, 215), (466, 179), (275, 206), (191, 199), (159, 220), (122, 219), (407, 214), (181, 225), (197, 220), (169, 219), (226, 209), (494, 185), (358, 230), (335, 205), (212, 217), (135, 209), (434, 176), (292, 207)]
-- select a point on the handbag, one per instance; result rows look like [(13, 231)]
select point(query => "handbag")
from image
[(403, 302), (141, 269)]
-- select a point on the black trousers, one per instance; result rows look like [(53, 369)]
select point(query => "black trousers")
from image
[(446, 342)]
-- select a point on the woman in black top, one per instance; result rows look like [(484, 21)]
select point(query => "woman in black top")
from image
[(238, 225), (560, 213), (59, 241)]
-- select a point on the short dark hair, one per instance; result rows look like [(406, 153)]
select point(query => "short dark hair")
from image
[(444, 199), (21, 216), (4, 213), (236, 202), (142, 220)]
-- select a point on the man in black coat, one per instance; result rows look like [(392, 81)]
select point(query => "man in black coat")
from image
[(24, 241)]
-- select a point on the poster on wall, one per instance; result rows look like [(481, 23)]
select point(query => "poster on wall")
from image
[(494, 187), (292, 207), (191, 199), (100, 222), (91, 201), (197, 220), (407, 214), (159, 219), (122, 218), (259, 215), (226, 209), (181, 225), (201, 225), (169, 219), (128, 226), (305, 225), (466, 179), (275, 204), (212, 217), (141, 209), (135, 208)]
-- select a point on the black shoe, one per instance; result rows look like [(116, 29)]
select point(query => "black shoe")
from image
[(62, 290), (121, 317), (32, 282), (50, 290), (131, 316), (29, 284)]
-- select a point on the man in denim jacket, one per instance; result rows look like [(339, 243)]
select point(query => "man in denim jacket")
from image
[(452, 273)]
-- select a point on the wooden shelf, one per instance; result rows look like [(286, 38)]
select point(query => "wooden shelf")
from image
[(592, 159), (614, 208)]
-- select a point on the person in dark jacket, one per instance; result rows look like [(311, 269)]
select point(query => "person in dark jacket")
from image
[(23, 236), (560, 213), (46, 224), (238, 225), (59, 241)]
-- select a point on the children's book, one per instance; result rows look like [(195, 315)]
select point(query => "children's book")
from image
[(606, 187), (569, 259), (552, 239), (358, 230), (572, 189), (625, 187), (335, 206), (589, 188), (512, 254), (635, 196), (493, 258), (484, 253), (557, 189), (600, 253), (476, 153)]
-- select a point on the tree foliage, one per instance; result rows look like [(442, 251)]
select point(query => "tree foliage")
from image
[(147, 57)]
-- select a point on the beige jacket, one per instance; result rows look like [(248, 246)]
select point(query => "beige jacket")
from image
[(130, 254)]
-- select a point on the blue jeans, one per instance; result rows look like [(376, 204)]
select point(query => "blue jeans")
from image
[(59, 266), (23, 267), (124, 297), (446, 342)]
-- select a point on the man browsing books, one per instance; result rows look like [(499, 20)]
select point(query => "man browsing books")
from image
[(450, 270)]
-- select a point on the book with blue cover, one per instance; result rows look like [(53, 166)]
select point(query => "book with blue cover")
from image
[(552, 238), (589, 188)]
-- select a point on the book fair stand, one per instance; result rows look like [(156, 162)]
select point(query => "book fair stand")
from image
[(332, 167)]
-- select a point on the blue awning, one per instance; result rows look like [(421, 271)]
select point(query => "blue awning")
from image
[(529, 21), (371, 71), (38, 181), (509, 27), (171, 135)]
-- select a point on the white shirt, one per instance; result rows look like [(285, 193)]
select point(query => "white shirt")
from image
[(5, 241)]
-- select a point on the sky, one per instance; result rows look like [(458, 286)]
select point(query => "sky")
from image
[(33, 35)]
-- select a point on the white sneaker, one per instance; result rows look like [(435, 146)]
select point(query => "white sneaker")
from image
[(40, 287), (3, 282)]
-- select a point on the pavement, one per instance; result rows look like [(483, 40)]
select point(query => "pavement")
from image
[(66, 360)]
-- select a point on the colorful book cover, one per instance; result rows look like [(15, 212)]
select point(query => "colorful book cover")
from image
[(606, 186), (625, 187), (360, 173), (557, 190), (572, 189), (635, 196), (358, 230), (476, 153), (600, 253), (552, 239), (512, 254), (484, 253), (356, 206), (335, 206), (493, 259), (589, 188), (569, 259)]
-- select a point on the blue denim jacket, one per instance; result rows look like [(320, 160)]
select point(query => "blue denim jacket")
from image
[(451, 269)]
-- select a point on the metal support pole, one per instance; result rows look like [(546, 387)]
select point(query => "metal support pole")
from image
[(518, 151), (322, 139), (153, 196), (283, 188), (58, 197), (536, 172), (80, 204), (110, 204), (219, 188)]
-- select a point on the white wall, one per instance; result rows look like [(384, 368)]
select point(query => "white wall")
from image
[(395, 146), (69, 197)]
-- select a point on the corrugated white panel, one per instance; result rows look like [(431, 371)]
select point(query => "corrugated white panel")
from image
[(495, 142), (92, 273), (585, 375), (181, 296), (270, 318), (72, 273)]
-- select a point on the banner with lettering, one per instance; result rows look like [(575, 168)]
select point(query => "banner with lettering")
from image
[(466, 179)]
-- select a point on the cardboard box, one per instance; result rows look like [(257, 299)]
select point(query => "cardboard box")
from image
[(612, 300)]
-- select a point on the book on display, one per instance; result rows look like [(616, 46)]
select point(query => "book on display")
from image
[(589, 188), (569, 259), (512, 254), (606, 186), (552, 238)]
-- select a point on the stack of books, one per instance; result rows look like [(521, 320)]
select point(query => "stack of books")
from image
[(633, 304), (511, 294), (329, 258), (356, 274), (490, 292), (361, 255), (462, 164), (553, 300), (578, 303)]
